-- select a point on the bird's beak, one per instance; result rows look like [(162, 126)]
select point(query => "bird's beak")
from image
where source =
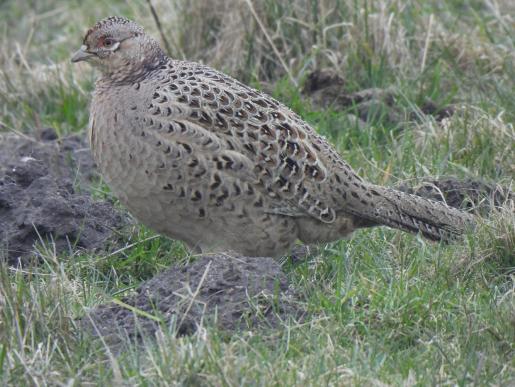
[(81, 54)]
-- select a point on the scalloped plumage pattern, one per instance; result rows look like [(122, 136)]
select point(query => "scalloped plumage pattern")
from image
[(203, 158)]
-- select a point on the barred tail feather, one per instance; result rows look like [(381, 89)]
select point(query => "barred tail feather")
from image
[(434, 220)]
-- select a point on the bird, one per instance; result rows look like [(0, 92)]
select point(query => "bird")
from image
[(200, 157)]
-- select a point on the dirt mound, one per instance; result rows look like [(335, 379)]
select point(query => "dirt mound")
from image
[(233, 292), (326, 89), (472, 195), (40, 198), (68, 157)]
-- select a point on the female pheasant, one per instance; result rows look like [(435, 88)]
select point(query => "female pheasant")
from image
[(201, 157)]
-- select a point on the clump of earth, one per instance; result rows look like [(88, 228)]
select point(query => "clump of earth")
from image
[(470, 195), (231, 292), (326, 89), (44, 198)]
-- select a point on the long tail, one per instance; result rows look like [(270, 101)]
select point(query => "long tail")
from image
[(434, 220)]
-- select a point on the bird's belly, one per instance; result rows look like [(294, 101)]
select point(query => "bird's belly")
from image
[(222, 229), (233, 226), (181, 207)]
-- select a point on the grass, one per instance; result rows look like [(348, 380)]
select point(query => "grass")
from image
[(385, 307)]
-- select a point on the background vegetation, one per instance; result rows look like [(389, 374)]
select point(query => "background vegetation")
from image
[(386, 308)]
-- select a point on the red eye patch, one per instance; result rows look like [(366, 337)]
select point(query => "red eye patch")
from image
[(101, 41)]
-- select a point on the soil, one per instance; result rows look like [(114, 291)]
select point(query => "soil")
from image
[(326, 89), (234, 293), (471, 195), (41, 200)]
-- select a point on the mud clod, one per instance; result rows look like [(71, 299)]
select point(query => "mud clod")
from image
[(40, 198), (326, 89), (471, 195), (235, 293), (322, 79)]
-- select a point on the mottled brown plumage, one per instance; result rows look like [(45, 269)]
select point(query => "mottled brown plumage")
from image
[(203, 158)]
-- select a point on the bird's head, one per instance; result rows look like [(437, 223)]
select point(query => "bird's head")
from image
[(118, 47)]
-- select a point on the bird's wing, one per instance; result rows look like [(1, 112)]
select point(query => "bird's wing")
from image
[(212, 111)]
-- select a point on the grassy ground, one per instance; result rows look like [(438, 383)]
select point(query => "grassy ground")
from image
[(386, 308)]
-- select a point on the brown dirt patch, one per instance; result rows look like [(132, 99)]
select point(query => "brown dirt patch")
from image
[(234, 293), (471, 195), (326, 89), (41, 198)]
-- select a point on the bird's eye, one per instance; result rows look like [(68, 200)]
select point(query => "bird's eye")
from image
[(108, 42)]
